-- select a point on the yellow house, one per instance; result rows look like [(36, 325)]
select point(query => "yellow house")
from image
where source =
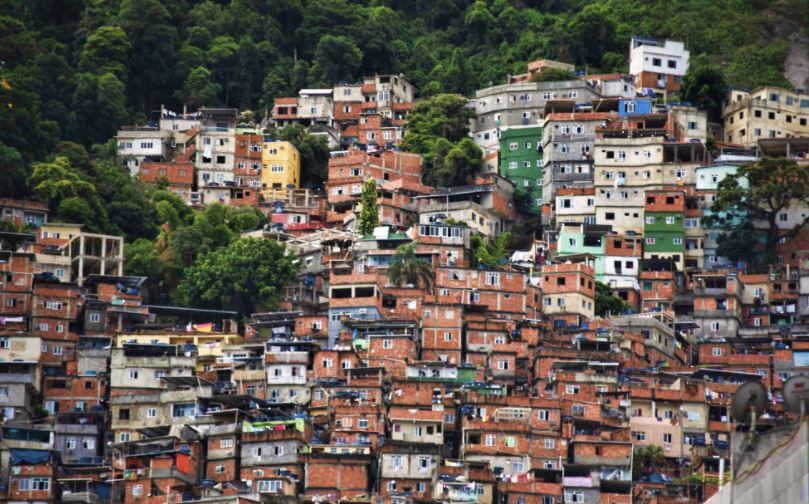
[(280, 166)]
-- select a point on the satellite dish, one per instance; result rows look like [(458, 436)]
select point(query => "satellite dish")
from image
[(796, 394), (748, 402)]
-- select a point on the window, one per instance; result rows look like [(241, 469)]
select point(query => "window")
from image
[(667, 437), (269, 486), (492, 278), (650, 240), (387, 344), (489, 439), (655, 62), (502, 365), (95, 318), (447, 336), (639, 436), (715, 326), (543, 415), (716, 351), (550, 443), (133, 374), (88, 444), (151, 413), (327, 363), (124, 437), (513, 146), (183, 410), (672, 63), (137, 490), (575, 496), (123, 414), (572, 389)]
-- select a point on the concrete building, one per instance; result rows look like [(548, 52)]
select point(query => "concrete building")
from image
[(765, 112), (658, 65), (521, 160), (137, 144), (23, 213), (567, 149), (522, 104), (95, 254), (216, 147), (280, 167)]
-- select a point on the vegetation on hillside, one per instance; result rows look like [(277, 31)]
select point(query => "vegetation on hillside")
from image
[(72, 72)]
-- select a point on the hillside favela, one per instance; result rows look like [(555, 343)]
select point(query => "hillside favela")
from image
[(404, 251)]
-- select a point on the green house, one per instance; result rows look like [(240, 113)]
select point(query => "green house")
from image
[(663, 232), (521, 160)]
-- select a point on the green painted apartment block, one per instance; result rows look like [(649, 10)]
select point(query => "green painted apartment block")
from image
[(663, 232), (521, 159)]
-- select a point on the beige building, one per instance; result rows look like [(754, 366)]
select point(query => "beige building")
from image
[(628, 166), (417, 426), (766, 112)]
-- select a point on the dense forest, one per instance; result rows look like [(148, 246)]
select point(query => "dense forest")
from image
[(73, 71)]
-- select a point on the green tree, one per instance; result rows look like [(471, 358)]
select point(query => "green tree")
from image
[(607, 302), (99, 102), (553, 74), (223, 57), (772, 186), (437, 129), (314, 152), (337, 58), (153, 35), (106, 50), (705, 87), (369, 213), (409, 269), (245, 276), (199, 89), (15, 174), (494, 253), (69, 194), (650, 457)]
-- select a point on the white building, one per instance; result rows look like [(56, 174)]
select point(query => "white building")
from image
[(216, 147), (137, 144), (658, 65)]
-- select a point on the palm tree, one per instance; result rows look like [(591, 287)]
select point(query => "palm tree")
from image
[(406, 268)]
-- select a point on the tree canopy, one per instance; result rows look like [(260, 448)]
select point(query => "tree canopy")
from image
[(751, 203), (607, 302), (369, 213), (406, 268), (78, 70), (437, 129), (246, 275)]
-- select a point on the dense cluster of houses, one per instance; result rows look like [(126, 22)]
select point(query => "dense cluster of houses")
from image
[(488, 384)]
